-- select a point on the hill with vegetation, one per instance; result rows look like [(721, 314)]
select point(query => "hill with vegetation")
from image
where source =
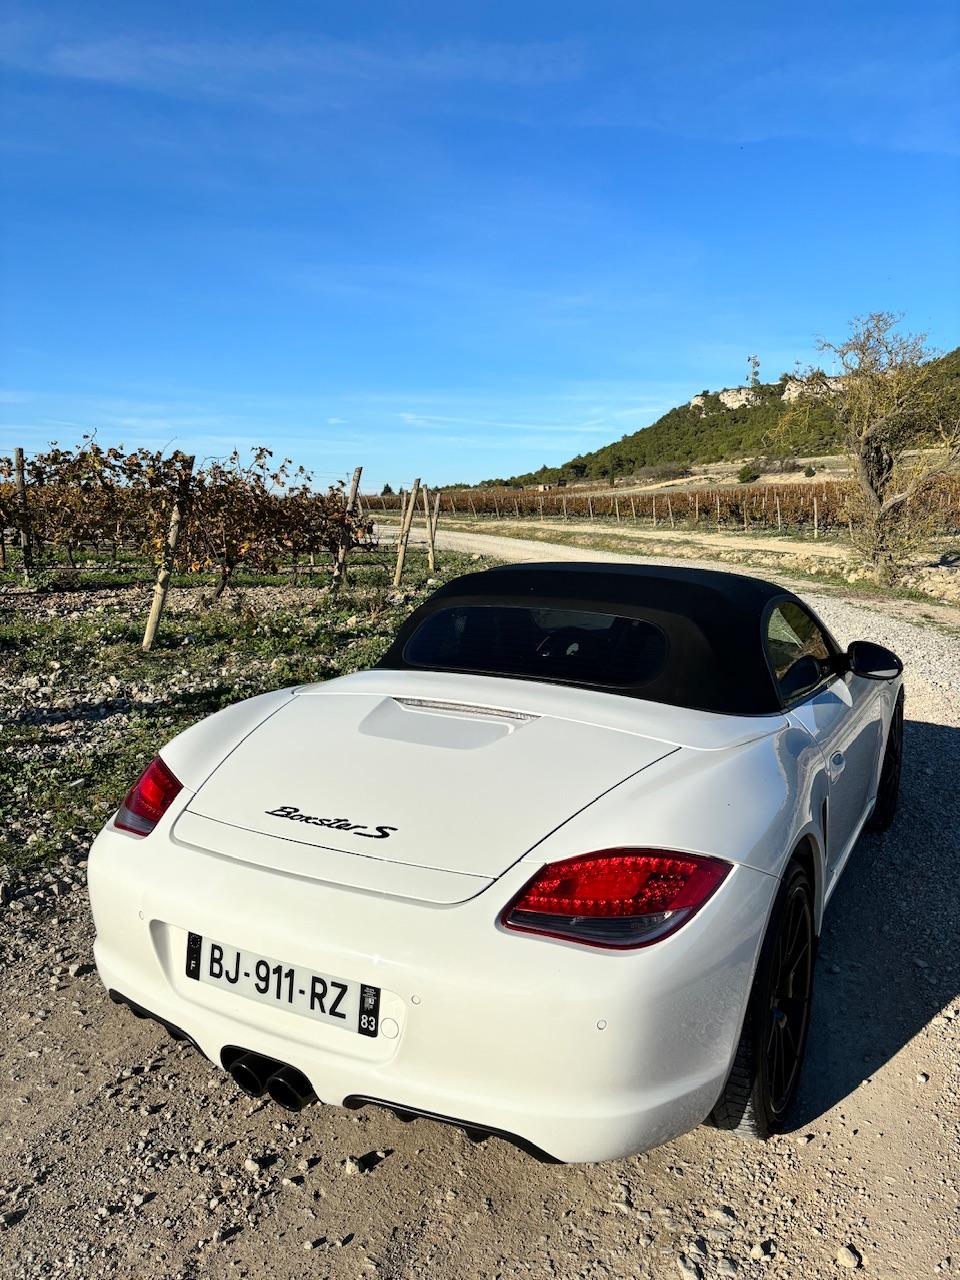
[(767, 424)]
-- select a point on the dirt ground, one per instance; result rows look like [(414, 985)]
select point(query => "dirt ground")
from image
[(125, 1154), (701, 542)]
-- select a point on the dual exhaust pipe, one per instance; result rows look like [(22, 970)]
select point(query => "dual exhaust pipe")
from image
[(256, 1075)]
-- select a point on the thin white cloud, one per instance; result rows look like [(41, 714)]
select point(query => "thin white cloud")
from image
[(440, 433), (891, 87), (442, 421), (282, 73)]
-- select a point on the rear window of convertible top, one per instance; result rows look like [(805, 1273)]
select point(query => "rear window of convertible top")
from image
[(567, 645)]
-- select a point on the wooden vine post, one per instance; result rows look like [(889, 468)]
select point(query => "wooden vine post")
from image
[(431, 555), (437, 503), (340, 564), (23, 515), (168, 554), (404, 534)]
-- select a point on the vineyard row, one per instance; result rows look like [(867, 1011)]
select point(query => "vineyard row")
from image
[(225, 514), (817, 507), (265, 515), (219, 516)]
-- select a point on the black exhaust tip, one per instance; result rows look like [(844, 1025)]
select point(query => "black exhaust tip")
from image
[(290, 1089), (250, 1073)]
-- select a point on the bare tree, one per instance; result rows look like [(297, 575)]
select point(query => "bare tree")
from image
[(900, 424)]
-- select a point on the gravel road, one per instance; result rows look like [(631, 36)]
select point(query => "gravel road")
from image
[(125, 1154)]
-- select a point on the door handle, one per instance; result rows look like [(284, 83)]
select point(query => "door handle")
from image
[(837, 764)]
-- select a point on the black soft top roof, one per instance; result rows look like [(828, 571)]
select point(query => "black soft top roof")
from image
[(713, 622)]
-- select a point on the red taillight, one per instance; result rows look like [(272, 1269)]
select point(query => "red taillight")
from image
[(148, 799), (617, 897)]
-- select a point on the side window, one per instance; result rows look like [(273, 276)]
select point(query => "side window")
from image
[(792, 635)]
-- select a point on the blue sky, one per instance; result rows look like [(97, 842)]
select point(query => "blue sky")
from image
[(455, 240)]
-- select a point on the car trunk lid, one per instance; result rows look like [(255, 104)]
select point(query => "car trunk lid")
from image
[(388, 792)]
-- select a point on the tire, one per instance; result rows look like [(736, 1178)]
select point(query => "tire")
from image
[(766, 1067), (888, 789)]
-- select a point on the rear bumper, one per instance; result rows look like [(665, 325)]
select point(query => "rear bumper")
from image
[(585, 1055)]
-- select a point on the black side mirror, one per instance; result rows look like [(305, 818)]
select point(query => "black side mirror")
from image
[(805, 674), (873, 661)]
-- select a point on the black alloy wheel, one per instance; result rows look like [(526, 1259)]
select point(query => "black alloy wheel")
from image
[(788, 1003), (766, 1068)]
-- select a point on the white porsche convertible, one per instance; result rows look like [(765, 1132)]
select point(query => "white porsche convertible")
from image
[(555, 869)]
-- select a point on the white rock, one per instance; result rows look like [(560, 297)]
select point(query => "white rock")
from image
[(688, 1268), (848, 1257), (724, 1214)]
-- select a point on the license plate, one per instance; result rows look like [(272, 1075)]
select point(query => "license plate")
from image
[(354, 1006)]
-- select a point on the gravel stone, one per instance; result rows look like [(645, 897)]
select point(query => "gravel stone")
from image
[(848, 1257)]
